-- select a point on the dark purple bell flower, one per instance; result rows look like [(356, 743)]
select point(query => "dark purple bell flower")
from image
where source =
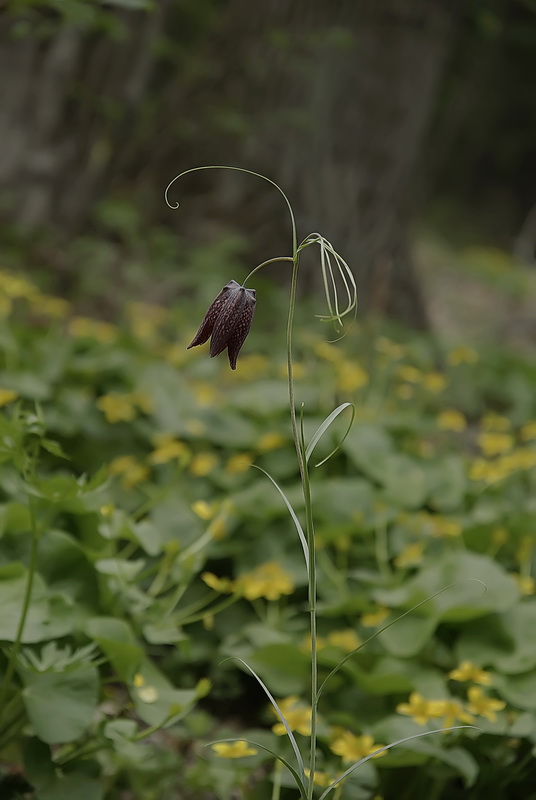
[(228, 321)]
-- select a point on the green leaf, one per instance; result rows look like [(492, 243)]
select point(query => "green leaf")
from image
[(408, 636), (447, 483), (49, 615), (506, 641), (116, 640), (78, 780), (282, 667), (60, 705)]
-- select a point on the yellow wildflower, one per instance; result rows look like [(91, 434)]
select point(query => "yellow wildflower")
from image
[(521, 458), (410, 555), (482, 705), (528, 431), (238, 749), (169, 448), (409, 374), (107, 510), (117, 407), (203, 464), (487, 471), (347, 640), (375, 618), (269, 580), (139, 681), (525, 584), (452, 711), (435, 382), (467, 671), (145, 319), (462, 355), (270, 441), (353, 748), (419, 709), (195, 427), (495, 422), (404, 391), (51, 306), (218, 526), (86, 328), (176, 354), (389, 348), (451, 420), (328, 352), (15, 286), (443, 527), (131, 471), (7, 396), (203, 509), (222, 585), (143, 400), (350, 376), (208, 622), (321, 779), (253, 366), (238, 463), (205, 394), (493, 444), (148, 694), (296, 714)]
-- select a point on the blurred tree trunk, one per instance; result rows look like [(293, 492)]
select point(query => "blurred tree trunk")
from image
[(342, 95)]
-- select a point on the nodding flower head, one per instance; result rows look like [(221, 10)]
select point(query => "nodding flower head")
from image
[(227, 321)]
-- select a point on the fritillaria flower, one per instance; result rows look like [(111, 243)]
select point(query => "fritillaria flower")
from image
[(227, 321)]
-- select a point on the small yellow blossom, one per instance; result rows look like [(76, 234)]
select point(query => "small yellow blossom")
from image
[(253, 366), (218, 527), (375, 618), (86, 328), (487, 471), (195, 427), (328, 352), (353, 748), (525, 584), (51, 306), (15, 286), (495, 423), (419, 709), (451, 420), (321, 779), (296, 714), (269, 580), (434, 382), (203, 464), (462, 355), (499, 536), (205, 394), (409, 374), (139, 681), (410, 555), (350, 376), (493, 444), (203, 509), (7, 396), (223, 585), (404, 391), (168, 449), (482, 705), (130, 469), (270, 441), (347, 640), (445, 528), (117, 407), (452, 711), (145, 319), (528, 431), (467, 671), (176, 354), (238, 464), (238, 749), (5, 305), (143, 400), (148, 694), (389, 348), (107, 510)]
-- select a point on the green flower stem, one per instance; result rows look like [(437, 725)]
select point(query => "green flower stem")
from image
[(25, 605), (264, 263), (276, 780), (309, 526)]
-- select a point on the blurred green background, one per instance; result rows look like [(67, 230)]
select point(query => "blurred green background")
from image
[(403, 131)]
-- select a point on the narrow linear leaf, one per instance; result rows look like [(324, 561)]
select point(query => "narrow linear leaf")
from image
[(292, 514), (267, 692), (324, 427)]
